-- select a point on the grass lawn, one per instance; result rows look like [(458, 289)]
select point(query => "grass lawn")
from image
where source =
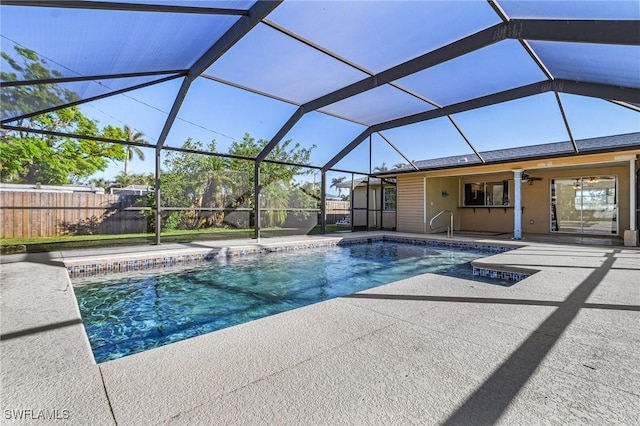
[(69, 242)]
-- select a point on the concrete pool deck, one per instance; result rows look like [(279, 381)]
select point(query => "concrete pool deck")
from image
[(561, 346)]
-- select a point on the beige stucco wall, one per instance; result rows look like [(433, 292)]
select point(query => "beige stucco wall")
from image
[(492, 219), (437, 201), (535, 197)]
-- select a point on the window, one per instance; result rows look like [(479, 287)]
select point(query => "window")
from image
[(486, 194), (584, 205), (595, 199), (390, 198)]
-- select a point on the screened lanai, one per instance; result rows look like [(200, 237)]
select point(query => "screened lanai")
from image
[(247, 115)]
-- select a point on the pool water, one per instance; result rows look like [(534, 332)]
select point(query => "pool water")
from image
[(127, 315)]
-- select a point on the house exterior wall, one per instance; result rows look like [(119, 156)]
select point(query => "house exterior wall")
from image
[(375, 203), (437, 200), (411, 203), (623, 182), (535, 196), (359, 202), (488, 219)]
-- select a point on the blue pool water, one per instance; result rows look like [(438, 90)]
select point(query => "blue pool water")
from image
[(128, 315)]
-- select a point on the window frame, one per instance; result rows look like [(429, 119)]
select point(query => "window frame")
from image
[(384, 199), (480, 190)]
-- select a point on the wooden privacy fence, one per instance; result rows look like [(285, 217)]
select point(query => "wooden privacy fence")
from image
[(26, 214), (44, 214), (336, 210)]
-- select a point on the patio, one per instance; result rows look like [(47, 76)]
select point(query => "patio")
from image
[(558, 347)]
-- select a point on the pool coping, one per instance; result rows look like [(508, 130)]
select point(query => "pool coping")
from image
[(251, 365), (111, 265)]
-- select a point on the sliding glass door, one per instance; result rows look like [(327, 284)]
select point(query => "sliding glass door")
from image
[(584, 205)]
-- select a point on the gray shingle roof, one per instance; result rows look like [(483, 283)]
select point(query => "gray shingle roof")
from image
[(362, 182), (616, 142)]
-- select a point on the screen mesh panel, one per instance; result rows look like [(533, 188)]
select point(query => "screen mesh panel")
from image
[(528, 121), (383, 34), (98, 42), (499, 67), (595, 63), (377, 105), (272, 62)]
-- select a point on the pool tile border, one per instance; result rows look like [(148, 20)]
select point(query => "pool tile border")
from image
[(83, 269), (498, 274)]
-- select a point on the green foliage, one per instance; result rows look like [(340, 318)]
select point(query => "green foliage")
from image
[(27, 157), (381, 168), (122, 180), (275, 179), (337, 181), (305, 196), (172, 222), (130, 135), (100, 183), (224, 185), (18, 100), (185, 182)]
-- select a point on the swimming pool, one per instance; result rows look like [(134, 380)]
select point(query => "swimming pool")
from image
[(132, 314)]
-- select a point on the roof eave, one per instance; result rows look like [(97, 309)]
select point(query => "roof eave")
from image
[(515, 160)]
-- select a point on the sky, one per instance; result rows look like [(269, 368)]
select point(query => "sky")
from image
[(107, 42)]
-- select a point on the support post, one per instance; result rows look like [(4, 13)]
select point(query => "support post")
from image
[(633, 185), (631, 235), (158, 198), (381, 203), (367, 210), (323, 202), (517, 205), (394, 226), (352, 212), (369, 177), (256, 201)]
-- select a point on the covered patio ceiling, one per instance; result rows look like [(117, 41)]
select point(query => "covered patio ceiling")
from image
[(378, 65)]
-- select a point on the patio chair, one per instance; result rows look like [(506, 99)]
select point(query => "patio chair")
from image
[(345, 221)]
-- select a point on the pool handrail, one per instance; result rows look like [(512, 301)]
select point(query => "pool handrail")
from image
[(449, 228)]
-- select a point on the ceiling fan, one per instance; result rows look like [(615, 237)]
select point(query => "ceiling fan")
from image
[(527, 178)]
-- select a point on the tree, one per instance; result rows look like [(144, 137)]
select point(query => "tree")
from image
[(121, 180), (311, 190), (276, 180), (133, 136), (28, 157), (335, 182), (128, 134), (399, 165), (381, 168), (100, 183), (219, 189), (193, 180)]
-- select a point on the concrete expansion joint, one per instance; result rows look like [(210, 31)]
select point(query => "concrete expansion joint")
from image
[(442, 333), (106, 394), (345, 299)]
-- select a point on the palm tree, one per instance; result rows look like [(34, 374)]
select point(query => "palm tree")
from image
[(335, 182), (381, 168), (399, 165), (137, 137), (100, 183)]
